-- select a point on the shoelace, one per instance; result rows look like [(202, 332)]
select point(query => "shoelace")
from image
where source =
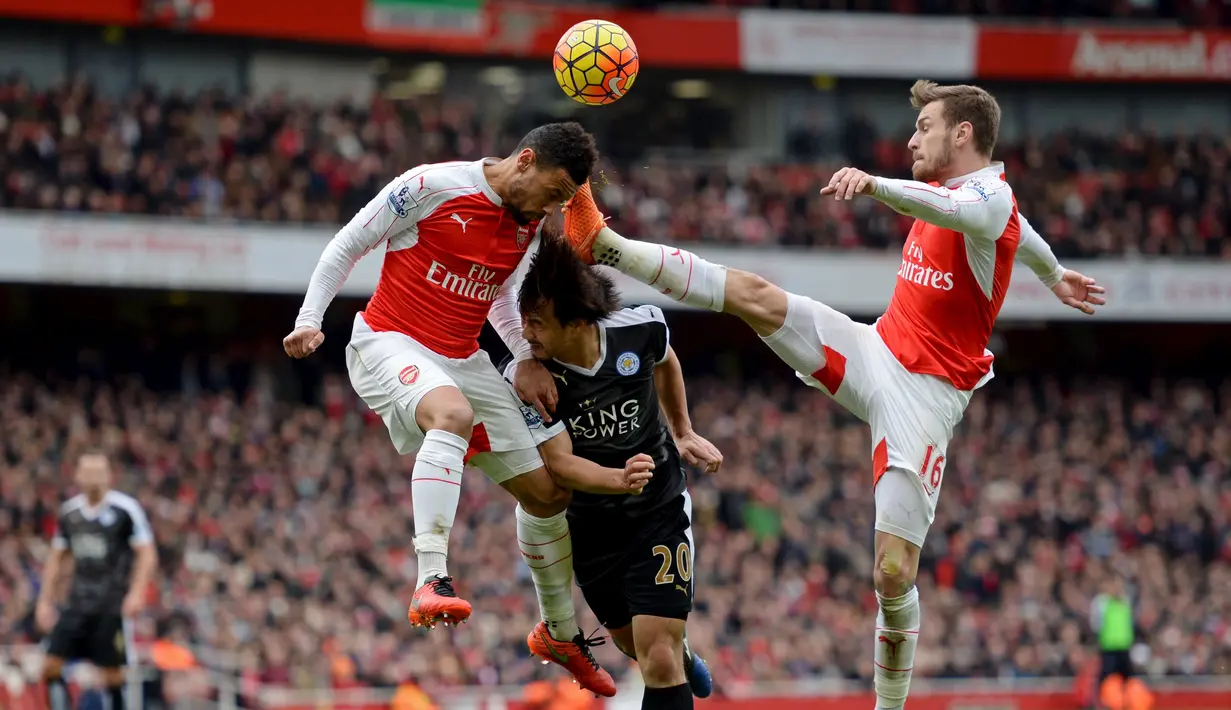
[(444, 587), (585, 643)]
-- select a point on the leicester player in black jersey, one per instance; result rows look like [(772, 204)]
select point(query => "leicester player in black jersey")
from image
[(108, 537), (615, 371)]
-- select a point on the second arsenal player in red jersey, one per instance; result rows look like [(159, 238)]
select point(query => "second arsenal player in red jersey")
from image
[(911, 375)]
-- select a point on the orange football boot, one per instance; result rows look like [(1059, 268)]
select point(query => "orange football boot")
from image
[(436, 602), (582, 222), (576, 658)]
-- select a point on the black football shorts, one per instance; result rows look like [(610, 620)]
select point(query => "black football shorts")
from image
[(97, 638), (635, 567)]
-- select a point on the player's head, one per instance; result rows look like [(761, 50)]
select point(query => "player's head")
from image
[(93, 474), (955, 131), (561, 298), (550, 163)]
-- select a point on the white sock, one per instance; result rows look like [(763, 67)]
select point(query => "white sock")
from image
[(897, 634), (547, 550), (679, 274), (436, 486)]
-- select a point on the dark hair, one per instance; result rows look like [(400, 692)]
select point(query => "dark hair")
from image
[(576, 291), (563, 145)]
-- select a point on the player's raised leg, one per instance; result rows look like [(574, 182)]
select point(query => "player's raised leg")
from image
[(677, 273)]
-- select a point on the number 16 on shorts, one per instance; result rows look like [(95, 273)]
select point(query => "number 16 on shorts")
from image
[(932, 470)]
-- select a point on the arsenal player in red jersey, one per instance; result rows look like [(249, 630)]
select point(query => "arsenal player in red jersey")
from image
[(911, 375), (454, 234)]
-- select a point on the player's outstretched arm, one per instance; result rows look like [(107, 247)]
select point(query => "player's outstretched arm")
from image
[(672, 400), (1074, 290), (1035, 253), (390, 213), (575, 473), (979, 207)]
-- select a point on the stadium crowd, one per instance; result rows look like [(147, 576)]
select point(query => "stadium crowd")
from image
[(277, 160), (284, 530)]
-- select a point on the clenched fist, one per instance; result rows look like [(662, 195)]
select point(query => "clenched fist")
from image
[(637, 473), (302, 342)]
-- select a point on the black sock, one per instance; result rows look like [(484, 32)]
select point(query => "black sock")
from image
[(116, 693), (677, 697), (57, 694)]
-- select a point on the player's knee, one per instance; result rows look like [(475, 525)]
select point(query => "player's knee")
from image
[(112, 677), (623, 640), (538, 493), (446, 409), (896, 566), (758, 302), (53, 668), (662, 663)]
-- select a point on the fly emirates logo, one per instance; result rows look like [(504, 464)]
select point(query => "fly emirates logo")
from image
[(477, 283), (921, 275)]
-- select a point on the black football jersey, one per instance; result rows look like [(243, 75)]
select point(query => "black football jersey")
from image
[(100, 541), (611, 410)]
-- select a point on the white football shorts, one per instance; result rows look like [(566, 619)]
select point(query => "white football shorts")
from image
[(392, 372), (912, 416)]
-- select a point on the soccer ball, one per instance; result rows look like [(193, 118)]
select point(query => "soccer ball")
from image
[(596, 62)]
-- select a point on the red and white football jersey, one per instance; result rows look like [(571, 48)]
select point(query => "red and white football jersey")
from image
[(955, 272), (451, 249)]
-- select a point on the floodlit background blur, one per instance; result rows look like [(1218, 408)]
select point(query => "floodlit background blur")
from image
[(171, 169)]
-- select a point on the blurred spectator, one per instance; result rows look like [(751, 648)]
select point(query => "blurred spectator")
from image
[(218, 157)]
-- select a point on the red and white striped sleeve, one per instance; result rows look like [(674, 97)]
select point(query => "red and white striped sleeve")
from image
[(981, 207), (1036, 253), (392, 211)]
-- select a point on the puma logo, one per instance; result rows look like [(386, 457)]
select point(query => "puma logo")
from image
[(613, 85), (681, 589), (891, 645), (559, 376), (420, 183), (460, 221)]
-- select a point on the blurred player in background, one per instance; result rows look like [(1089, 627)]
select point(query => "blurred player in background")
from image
[(630, 515), (455, 234), (108, 537), (911, 375)]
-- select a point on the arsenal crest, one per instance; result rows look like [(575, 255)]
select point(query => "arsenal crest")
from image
[(523, 238)]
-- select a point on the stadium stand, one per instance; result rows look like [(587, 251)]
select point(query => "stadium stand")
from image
[(281, 511), (215, 157), (284, 529)]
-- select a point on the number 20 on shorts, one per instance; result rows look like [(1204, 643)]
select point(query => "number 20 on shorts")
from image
[(683, 563), (932, 471)]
